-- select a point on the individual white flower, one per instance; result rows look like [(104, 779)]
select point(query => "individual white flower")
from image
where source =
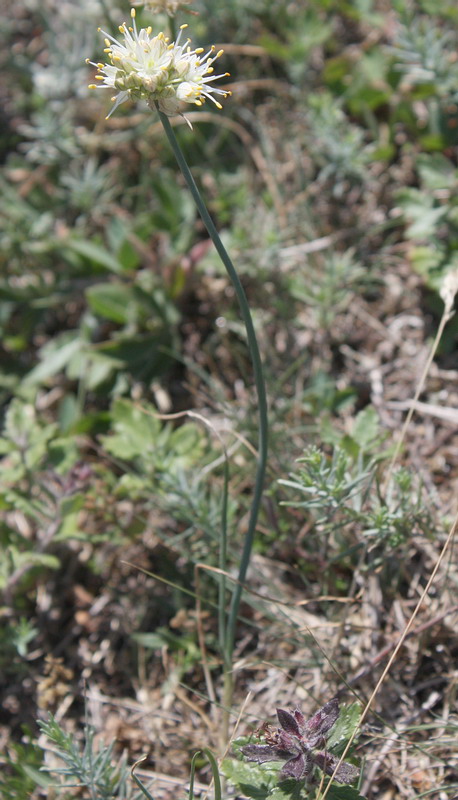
[(153, 69)]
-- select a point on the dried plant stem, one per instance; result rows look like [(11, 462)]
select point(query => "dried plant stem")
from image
[(447, 314), (396, 650)]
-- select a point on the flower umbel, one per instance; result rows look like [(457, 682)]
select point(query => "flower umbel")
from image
[(296, 741), (153, 69)]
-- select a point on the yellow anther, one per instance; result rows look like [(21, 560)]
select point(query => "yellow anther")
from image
[(99, 77), (219, 53), (100, 65), (149, 30), (121, 28), (199, 50), (132, 13), (92, 86), (218, 105), (182, 27)]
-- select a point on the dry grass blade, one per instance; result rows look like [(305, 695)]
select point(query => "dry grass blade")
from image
[(401, 641), (448, 293)]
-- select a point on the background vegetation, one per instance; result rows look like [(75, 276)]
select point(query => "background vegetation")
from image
[(332, 176)]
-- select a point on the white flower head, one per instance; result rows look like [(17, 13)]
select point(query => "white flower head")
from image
[(153, 69)]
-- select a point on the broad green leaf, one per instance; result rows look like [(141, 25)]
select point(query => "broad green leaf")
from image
[(344, 728), (55, 356), (36, 775), (63, 452), (114, 301), (289, 790), (138, 434), (24, 504), (6, 446), (71, 529), (28, 438), (96, 254), (20, 422), (436, 171), (136, 431), (429, 263), (366, 428), (152, 641), (12, 559), (41, 560), (133, 486), (424, 221), (344, 793), (254, 781), (145, 356)]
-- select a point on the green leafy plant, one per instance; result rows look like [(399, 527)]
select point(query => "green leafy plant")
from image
[(328, 284), (95, 768), (425, 55), (338, 147), (15, 639), (344, 494), (86, 765), (308, 747), (41, 479), (154, 448), (21, 770), (431, 211)]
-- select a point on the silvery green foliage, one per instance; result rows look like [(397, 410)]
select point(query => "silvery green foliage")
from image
[(342, 491), (96, 769), (425, 53)]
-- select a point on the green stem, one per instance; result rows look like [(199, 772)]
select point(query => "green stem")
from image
[(228, 693), (259, 382), (223, 559)]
